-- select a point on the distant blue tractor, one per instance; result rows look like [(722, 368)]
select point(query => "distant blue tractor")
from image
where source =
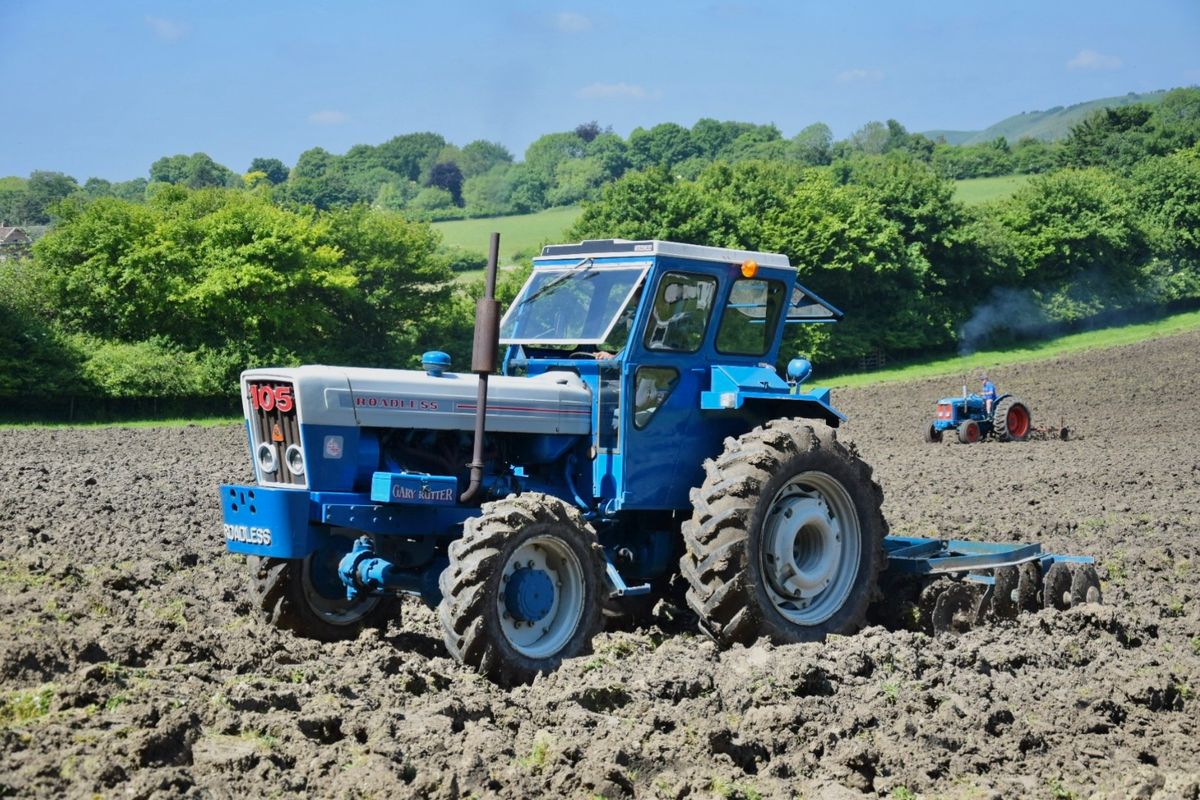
[(637, 438), (968, 417)]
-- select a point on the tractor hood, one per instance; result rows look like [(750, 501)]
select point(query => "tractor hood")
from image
[(554, 402)]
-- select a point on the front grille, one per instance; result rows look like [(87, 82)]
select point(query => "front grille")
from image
[(273, 421)]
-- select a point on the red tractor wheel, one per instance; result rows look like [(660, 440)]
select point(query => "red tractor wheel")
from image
[(968, 432), (1011, 420)]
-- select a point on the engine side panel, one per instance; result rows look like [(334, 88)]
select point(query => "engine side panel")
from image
[(554, 403)]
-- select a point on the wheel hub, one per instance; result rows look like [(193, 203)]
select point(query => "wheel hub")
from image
[(810, 549), (529, 594), (805, 545), (541, 596)]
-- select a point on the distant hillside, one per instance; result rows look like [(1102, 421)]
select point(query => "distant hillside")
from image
[(1054, 123)]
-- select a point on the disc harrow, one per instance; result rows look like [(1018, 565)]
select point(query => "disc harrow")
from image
[(969, 583)]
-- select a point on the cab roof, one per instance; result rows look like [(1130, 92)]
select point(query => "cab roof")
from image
[(600, 248)]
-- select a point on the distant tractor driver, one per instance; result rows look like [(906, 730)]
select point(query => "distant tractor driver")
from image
[(989, 394)]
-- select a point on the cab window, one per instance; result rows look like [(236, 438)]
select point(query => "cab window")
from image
[(652, 386), (749, 320), (680, 314)]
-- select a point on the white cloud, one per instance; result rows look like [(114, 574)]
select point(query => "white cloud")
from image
[(613, 91), (327, 117), (570, 22), (1091, 59), (166, 29), (860, 76)]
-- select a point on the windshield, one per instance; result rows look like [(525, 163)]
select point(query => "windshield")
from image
[(578, 305)]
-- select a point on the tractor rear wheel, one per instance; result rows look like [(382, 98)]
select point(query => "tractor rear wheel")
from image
[(524, 588), (786, 539), (1011, 420), (307, 597), (968, 432), (932, 434)]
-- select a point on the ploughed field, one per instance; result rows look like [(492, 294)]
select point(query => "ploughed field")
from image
[(131, 666)]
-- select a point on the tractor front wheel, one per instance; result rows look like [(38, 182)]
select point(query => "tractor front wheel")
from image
[(969, 432), (1012, 421), (307, 597), (786, 540), (524, 588), (932, 434)]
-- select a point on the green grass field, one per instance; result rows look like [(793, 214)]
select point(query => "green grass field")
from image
[(517, 233), (974, 191), (1032, 352)]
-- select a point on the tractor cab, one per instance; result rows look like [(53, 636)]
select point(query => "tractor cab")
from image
[(678, 344)]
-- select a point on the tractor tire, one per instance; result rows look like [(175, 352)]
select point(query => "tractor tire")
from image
[(299, 595), (1011, 420), (524, 588), (751, 571), (969, 432), (932, 434)]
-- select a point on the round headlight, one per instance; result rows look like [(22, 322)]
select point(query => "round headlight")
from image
[(268, 459), (294, 459)]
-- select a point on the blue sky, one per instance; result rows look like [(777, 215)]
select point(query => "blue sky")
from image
[(105, 88)]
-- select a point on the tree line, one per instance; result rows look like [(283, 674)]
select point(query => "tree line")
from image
[(429, 178), (173, 292)]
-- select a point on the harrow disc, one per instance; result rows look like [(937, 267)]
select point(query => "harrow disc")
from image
[(1056, 587), (1085, 585), (927, 601), (1029, 586), (1005, 593), (956, 610)]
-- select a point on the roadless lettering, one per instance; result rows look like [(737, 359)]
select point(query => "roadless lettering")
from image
[(405, 403), (248, 535)]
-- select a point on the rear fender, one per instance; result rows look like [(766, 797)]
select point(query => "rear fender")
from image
[(805, 408)]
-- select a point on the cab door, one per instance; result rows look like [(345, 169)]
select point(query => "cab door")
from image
[(666, 370)]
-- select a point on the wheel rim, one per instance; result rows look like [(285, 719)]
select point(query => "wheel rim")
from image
[(1017, 421), (812, 542), (324, 591), (541, 596)]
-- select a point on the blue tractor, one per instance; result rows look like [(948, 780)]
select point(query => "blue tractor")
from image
[(632, 432), (969, 417)]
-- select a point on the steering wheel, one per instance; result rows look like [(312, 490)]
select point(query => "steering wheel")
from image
[(582, 354)]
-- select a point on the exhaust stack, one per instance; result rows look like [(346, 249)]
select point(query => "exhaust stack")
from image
[(483, 360)]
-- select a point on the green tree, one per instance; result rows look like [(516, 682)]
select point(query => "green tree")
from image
[(710, 137), (664, 145), (409, 155), (611, 152), (395, 195), (1078, 240), (41, 192), (231, 274), (36, 359), (196, 171), (480, 156), (845, 248), (653, 204), (275, 170), (1167, 194), (432, 198), (489, 194), (813, 145), (316, 180), (576, 179), (446, 175), (544, 155)]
